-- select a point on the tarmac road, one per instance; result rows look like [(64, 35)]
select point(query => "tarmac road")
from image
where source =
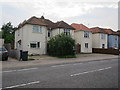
[(92, 74)]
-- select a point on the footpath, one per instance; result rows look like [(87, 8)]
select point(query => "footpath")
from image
[(47, 60)]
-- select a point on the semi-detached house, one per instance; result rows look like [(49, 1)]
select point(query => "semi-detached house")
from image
[(83, 38), (100, 38), (112, 38), (32, 35)]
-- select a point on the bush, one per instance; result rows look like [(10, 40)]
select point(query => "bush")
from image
[(61, 45), (31, 59), (69, 56)]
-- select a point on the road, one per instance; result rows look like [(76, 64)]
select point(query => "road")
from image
[(93, 74)]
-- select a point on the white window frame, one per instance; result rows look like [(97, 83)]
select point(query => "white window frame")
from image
[(86, 45), (102, 45), (86, 34), (38, 29), (67, 32), (103, 36), (37, 46)]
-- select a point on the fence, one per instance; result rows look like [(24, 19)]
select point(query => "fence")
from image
[(106, 51), (14, 53)]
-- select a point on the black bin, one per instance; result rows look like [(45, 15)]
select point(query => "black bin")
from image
[(24, 55), (21, 54)]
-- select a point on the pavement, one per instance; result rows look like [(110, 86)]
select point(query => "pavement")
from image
[(47, 60), (89, 74)]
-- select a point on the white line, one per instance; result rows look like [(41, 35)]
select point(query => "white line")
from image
[(77, 63), (23, 84), (58, 65), (18, 70), (27, 69), (90, 71)]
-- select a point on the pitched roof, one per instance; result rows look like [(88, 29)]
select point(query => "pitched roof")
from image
[(45, 22), (49, 23), (98, 30), (80, 27), (62, 24), (110, 31), (33, 20)]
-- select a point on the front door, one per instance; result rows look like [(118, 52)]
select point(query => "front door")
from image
[(79, 48)]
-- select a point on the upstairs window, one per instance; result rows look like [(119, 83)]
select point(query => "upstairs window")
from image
[(115, 38), (48, 33), (102, 36), (35, 45), (66, 31), (37, 29), (86, 34)]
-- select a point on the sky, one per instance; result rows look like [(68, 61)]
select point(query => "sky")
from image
[(92, 13)]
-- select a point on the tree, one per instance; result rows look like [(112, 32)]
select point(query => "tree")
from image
[(61, 45), (8, 32)]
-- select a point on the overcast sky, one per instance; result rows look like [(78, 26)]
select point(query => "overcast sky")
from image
[(95, 13)]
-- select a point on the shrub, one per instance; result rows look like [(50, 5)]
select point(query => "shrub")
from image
[(61, 45)]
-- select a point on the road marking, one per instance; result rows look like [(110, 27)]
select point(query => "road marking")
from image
[(66, 65), (58, 66), (18, 70), (77, 63), (90, 71), (23, 84)]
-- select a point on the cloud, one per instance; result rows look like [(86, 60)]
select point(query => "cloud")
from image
[(69, 10)]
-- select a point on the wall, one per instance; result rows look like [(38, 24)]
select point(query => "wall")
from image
[(106, 51), (28, 36), (79, 38), (61, 30), (1, 42), (112, 41), (14, 53), (97, 41)]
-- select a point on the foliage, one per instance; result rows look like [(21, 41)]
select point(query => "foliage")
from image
[(68, 56), (8, 32), (61, 45), (0, 34), (31, 59)]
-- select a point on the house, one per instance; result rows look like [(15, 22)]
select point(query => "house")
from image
[(100, 38), (118, 39), (83, 37), (112, 38), (32, 35)]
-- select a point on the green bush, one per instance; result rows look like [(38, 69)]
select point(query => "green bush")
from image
[(61, 45), (31, 59), (69, 56)]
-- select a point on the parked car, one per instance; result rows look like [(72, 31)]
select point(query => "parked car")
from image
[(3, 54)]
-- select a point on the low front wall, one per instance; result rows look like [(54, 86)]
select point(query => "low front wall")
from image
[(14, 53), (106, 51)]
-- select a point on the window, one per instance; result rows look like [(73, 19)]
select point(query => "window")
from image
[(35, 45), (66, 31), (102, 36), (86, 45), (115, 38), (37, 28), (103, 45), (86, 34), (48, 33)]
